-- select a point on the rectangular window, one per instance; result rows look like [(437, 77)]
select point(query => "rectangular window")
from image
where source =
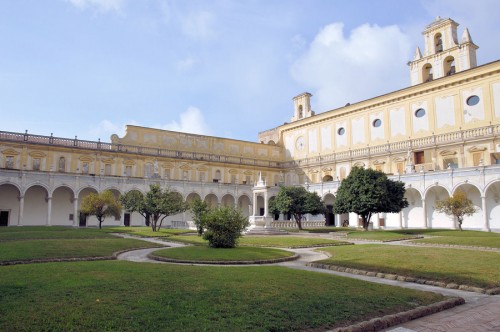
[(248, 180), (450, 163), (400, 168), (419, 157), (166, 173), (202, 176), (233, 179), (85, 168), (476, 158), (148, 170), (378, 168), (128, 170), (9, 162), (36, 164), (107, 169)]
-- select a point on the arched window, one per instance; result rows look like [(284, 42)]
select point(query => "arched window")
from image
[(427, 73), (438, 42), (449, 66), (327, 178)]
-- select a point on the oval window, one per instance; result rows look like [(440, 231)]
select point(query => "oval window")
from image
[(341, 131), (377, 123), (472, 100), (420, 113)]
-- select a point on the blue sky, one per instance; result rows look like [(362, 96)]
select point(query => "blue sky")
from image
[(224, 68)]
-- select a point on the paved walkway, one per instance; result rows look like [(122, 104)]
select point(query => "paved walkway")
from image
[(479, 313)]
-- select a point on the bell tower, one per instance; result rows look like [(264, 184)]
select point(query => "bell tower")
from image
[(302, 106), (443, 54)]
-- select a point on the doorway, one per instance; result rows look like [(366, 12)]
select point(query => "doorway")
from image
[(4, 218), (83, 220), (126, 219), (329, 216)]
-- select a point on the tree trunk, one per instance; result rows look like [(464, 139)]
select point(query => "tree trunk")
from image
[(100, 222), (154, 223), (460, 223), (298, 220)]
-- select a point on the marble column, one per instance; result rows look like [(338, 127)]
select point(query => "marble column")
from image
[(49, 211), (21, 211)]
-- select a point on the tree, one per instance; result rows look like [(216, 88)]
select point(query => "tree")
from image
[(298, 202), (224, 226), (367, 191), (161, 203), (133, 201), (199, 208), (101, 205), (457, 206)]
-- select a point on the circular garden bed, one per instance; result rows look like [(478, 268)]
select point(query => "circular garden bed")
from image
[(208, 255)]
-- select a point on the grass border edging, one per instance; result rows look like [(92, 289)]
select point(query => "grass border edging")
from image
[(260, 261), (72, 259), (383, 322), (390, 276)]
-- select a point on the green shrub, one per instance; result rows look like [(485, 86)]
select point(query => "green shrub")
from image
[(224, 226)]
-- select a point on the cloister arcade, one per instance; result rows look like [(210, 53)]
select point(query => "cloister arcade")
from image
[(39, 204)]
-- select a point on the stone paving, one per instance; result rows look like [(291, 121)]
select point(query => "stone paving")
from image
[(480, 312)]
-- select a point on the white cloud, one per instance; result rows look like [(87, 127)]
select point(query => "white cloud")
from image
[(185, 64), (190, 121), (199, 25), (100, 5), (369, 62), (106, 128)]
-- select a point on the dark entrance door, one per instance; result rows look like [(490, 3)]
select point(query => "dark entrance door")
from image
[(329, 216), (126, 219), (261, 211), (4, 218), (83, 220)]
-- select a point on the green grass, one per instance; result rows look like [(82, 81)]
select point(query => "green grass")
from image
[(53, 232), (126, 296), (279, 241), (205, 253), (456, 237), (467, 267), (66, 248), (148, 232), (379, 235)]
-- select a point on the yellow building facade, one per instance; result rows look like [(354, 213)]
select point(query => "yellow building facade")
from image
[(439, 135)]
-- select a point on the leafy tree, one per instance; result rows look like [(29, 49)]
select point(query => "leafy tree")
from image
[(367, 191), (134, 201), (199, 208), (224, 226), (161, 203), (457, 206), (101, 205), (298, 202)]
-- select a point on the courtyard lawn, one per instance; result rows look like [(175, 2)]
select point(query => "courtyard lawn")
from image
[(66, 248), (279, 241), (126, 296), (41, 242), (468, 267), (148, 232), (52, 232), (379, 235), (204, 253), (456, 237)]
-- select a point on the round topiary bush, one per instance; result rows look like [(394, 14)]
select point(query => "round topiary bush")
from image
[(224, 226)]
